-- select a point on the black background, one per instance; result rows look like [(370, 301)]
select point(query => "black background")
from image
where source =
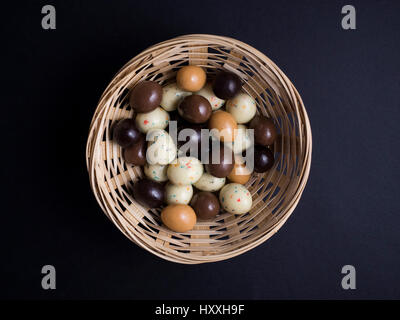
[(349, 212)]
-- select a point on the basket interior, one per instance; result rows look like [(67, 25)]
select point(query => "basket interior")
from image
[(274, 192)]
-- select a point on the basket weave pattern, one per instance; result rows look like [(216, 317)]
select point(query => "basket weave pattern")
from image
[(275, 193)]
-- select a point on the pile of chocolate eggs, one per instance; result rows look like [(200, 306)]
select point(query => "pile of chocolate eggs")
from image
[(180, 184)]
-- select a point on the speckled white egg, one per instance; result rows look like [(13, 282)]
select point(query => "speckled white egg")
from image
[(208, 182), (175, 194), (156, 119), (172, 96), (242, 107), (243, 139), (185, 170), (161, 149), (208, 93), (235, 198), (156, 172)]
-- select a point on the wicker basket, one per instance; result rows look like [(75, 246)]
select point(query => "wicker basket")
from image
[(275, 193)]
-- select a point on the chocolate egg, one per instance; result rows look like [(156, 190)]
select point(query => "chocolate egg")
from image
[(240, 173), (172, 96), (242, 107), (136, 153), (263, 159), (205, 204), (145, 96), (207, 93), (178, 194), (178, 217), (235, 198), (220, 161), (148, 193), (223, 126), (226, 85), (264, 130), (156, 119), (156, 172), (195, 109), (208, 182), (161, 148), (185, 170), (126, 133), (189, 140), (191, 78)]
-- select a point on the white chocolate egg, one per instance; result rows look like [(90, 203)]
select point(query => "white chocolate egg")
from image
[(242, 107), (235, 198), (208, 182), (175, 194), (156, 119), (156, 172), (185, 170), (172, 96), (208, 93), (161, 149), (243, 139)]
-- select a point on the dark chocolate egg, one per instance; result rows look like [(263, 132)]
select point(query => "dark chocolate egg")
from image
[(195, 109), (149, 193), (136, 153), (205, 204), (223, 162), (226, 85), (263, 159), (190, 137), (126, 133), (264, 130), (146, 96)]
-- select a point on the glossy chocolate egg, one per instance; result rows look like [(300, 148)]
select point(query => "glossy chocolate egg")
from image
[(221, 162), (205, 204), (136, 153), (223, 126), (226, 85), (191, 78), (195, 109), (240, 173), (126, 133), (263, 159), (264, 130), (179, 217), (149, 193), (189, 140), (146, 96)]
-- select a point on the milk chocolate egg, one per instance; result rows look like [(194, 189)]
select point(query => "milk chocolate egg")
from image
[(156, 172), (220, 161), (145, 96), (205, 204), (240, 173), (226, 85), (156, 119), (208, 182), (178, 194), (148, 193), (185, 170), (209, 94), (178, 217), (235, 198), (172, 96), (242, 107), (126, 133), (191, 78), (195, 109), (243, 139), (161, 148), (223, 126), (136, 153), (263, 159), (264, 130)]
